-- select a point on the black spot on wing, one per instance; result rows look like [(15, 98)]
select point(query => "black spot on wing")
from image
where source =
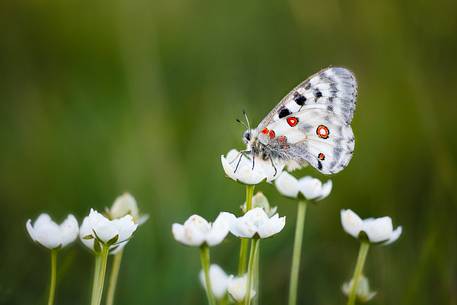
[(283, 112), (299, 99), (317, 93)]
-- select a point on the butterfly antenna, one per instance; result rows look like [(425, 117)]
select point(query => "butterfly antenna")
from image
[(242, 123), (247, 120)]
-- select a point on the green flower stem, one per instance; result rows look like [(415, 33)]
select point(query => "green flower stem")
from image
[(295, 268), (95, 280), (245, 242), (205, 260), (52, 285), (97, 294), (257, 275), (250, 282), (113, 277), (364, 246), (243, 256), (225, 300)]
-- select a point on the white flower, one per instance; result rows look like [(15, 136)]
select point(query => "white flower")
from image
[(51, 235), (363, 292), (377, 230), (219, 281), (237, 287), (256, 222), (263, 169), (259, 200), (308, 187), (98, 227), (196, 231), (124, 205)]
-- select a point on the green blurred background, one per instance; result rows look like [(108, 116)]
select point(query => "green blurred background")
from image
[(102, 97)]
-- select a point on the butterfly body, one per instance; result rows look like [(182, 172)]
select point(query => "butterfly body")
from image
[(311, 125)]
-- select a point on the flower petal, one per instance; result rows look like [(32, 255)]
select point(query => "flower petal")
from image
[(219, 281), (379, 229), (237, 287), (325, 190), (193, 232), (102, 226), (69, 229), (220, 228), (287, 185), (395, 235), (273, 226), (351, 222), (310, 187), (123, 205), (30, 229), (48, 235), (125, 227), (240, 168), (84, 231)]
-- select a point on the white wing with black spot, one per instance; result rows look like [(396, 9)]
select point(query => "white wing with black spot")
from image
[(334, 87), (314, 135)]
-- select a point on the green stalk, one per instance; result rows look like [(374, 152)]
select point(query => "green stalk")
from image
[(205, 260), (95, 280), (257, 275), (113, 277), (52, 285), (363, 251), (224, 300), (97, 296), (298, 240), (252, 255), (245, 242)]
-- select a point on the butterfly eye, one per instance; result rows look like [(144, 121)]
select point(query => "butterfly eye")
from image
[(247, 135)]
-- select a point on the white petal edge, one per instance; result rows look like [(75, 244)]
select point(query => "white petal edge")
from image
[(287, 185), (351, 222), (395, 235)]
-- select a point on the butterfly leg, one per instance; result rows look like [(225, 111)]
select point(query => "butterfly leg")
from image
[(253, 161), (272, 164), (240, 155)]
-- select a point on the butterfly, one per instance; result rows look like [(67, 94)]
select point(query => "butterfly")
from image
[(310, 125)]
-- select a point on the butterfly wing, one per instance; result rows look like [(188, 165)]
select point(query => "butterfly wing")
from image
[(334, 87), (312, 123), (315, 136)]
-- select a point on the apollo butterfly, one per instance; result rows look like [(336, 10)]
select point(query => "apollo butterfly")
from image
[(311, 124)]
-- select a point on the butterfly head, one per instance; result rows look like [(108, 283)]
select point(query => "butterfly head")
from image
[(248, 136)]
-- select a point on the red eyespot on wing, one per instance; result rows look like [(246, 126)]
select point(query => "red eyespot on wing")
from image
[(292, 121), (265, 130), (321, 156), (272, 134), (282, 139), (322, 131)]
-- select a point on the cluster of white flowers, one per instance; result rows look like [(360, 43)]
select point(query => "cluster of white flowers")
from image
[(257, 223), (196, 231), (222, 283), (102, 234), (262, 221), (114, 229)]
